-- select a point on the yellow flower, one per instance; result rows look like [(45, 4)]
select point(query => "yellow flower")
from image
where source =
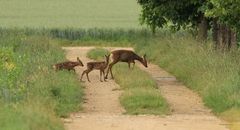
[(9, 66)]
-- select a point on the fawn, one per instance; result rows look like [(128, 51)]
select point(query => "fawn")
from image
[(68, 65), (102, 65), (125, 56)]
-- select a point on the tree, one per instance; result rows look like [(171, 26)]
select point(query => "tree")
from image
[(226, 21), (222, 15), (157, 13)]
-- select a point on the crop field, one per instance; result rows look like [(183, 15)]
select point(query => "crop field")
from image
[(69, 13)]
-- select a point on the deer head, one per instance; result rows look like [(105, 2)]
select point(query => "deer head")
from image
[(144, 62)]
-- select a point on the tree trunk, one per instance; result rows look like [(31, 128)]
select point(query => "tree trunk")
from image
[(219, 36), (203, 29), (224, 36), (215, 32), (233, 39), (229, 42)]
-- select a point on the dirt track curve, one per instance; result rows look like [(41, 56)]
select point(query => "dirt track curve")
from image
[(102, 110)]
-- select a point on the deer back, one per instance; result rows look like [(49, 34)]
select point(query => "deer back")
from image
[(127, 56)]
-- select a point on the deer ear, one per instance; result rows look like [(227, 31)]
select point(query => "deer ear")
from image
[(144, 56)]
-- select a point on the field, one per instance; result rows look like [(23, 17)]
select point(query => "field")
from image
[(69, 14)]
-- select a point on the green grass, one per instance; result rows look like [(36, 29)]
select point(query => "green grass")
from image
[(32, 94), (70, 13), (141, 97), (214, 74), (97, 53), (30, 116)]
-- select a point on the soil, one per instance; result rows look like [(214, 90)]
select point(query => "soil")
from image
[(102, 109)]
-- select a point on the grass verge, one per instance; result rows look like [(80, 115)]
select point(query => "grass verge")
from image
[(32, 94), (141, 97), (214, 74)]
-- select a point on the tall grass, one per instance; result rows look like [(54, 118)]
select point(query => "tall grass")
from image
[(214, 74), (76, 35), (32, 93), (141, 97)]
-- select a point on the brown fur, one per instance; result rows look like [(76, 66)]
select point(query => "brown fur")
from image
[(68, 65), (102, 65), (125, 56)]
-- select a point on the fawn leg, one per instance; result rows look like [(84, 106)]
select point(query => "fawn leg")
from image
[(103, 75), (87, 75), (110, 68), (100, 75), (83, 74), (106, 76)]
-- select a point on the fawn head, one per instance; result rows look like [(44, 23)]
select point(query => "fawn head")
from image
[(80, 62), (107, 57)]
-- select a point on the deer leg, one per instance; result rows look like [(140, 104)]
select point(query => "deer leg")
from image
[(106, 76), (129, 65), (89, 70), (86, 71), (110, 69), (100, 75), (103, 75), (83, 74), (133, 64)]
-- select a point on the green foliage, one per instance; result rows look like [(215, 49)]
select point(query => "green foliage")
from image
[(159, 13), (226, 11), (141, 97), (186, 13), (28, 80)]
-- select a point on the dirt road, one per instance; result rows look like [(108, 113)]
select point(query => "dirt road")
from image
[(102, 110)]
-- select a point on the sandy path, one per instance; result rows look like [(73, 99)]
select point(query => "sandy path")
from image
[(102, 110)]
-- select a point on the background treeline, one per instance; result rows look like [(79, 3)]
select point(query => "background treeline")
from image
[(221, 17)]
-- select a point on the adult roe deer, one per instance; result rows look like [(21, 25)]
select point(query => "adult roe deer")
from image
[(101, 65), (125, 56)]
